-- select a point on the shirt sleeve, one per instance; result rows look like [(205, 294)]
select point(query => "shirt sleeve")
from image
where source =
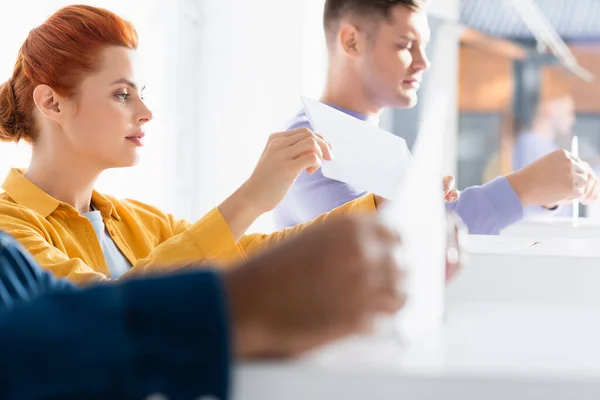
[(208, 241), (253, 242), (490, 208)]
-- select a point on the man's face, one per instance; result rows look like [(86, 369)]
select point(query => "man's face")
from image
[(391, 66)]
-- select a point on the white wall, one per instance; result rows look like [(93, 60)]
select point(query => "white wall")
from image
[(256, 58)]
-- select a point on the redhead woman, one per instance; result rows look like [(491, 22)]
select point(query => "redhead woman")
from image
[(76, 96)]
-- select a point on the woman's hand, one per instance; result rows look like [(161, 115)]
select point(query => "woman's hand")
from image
[(285, 156)]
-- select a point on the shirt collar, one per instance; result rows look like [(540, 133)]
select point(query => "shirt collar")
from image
[(26, 193), (372, 120)]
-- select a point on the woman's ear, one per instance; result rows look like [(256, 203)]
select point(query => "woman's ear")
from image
[(48, 103)]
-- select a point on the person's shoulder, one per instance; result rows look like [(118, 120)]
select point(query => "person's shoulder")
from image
[(7, 202), (5, 196), (17, 219), (11, 209), (135, 214), (136, 207)]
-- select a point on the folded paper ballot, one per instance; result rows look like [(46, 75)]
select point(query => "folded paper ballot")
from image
[(365, 156)]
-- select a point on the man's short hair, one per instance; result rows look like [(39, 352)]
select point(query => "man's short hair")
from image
[(335, 10)]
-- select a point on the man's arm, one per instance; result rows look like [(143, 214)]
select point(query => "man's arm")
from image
[(551, 180), (166, 335), (490, 208)]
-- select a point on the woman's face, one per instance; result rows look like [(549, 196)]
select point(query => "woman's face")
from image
[(105, 124)]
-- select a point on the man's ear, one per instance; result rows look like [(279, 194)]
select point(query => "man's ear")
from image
[(48, 103), (351, 40)]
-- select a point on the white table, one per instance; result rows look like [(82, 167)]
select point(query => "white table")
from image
[(554, 228), (556, 271), (485, 351)]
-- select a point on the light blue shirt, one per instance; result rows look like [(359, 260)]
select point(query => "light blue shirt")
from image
[(115, 260)]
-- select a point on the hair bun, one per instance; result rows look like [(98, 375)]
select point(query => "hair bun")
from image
[(10, 129)]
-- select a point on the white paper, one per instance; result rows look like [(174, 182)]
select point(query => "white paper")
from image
[(365, 156), (486, 245)]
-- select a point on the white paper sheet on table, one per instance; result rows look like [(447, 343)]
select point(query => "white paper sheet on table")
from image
[(365, 156), (483, 245)]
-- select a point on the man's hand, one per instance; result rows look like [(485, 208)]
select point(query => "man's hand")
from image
[(590, 193), (450, 193), (327, 283), (554, 179)]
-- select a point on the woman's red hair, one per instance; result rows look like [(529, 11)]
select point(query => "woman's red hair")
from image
[(59, 53)]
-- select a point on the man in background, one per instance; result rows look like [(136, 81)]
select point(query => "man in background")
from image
[(550, 130)]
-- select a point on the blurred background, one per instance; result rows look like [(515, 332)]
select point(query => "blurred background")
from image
[(224, 74)]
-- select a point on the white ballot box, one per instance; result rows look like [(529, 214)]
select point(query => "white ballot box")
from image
[(485, 351), (555, 228), (517, 270)]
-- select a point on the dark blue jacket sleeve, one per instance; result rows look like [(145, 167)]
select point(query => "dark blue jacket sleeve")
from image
[(165, 335), (20, 277)]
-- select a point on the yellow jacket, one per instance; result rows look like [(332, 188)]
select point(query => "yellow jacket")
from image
[(65, 243)]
